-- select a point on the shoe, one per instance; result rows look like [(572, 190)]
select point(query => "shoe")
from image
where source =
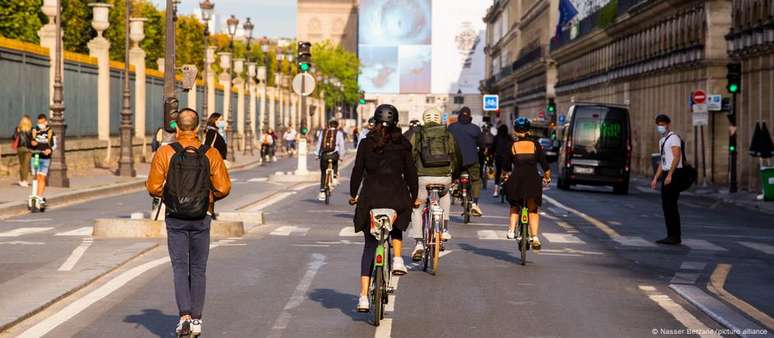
[(183, 327), (24, 184), (475, 210), (363, 305), (335, 181), (446, 235), (419, 251), (398, 268), (535, 243), (196, 327), (669, 241), (321, 196), (510, 234), (495, 194)]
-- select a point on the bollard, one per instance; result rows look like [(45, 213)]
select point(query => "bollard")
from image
[(302, 158)]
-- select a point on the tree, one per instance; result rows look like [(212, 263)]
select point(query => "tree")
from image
[(189, 41), (21, 19), (76, 25), (332, 60)]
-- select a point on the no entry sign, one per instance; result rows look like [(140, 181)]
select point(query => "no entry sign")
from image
[(699, 97)]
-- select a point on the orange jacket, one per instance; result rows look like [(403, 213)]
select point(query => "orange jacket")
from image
[(221, 183)]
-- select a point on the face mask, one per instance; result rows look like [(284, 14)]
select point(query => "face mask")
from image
[(41, 126), (661, 129), (221, 124)]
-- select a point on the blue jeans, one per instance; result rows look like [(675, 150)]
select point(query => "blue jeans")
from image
[(189, 247)]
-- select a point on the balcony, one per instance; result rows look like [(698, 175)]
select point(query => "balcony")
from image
[(529, 57)]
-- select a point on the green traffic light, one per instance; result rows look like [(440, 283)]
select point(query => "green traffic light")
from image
[(362, 101), (733, 87), (732, 149), (551, 109), (304, 67)]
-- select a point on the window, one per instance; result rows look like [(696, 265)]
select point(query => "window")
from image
[(459, 99), (430, 99)]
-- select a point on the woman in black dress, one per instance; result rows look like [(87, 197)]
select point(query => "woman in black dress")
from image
[(386, 169), (213, 135), (501, 148), (525, 183)]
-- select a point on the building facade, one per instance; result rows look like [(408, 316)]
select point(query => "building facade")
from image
[(334, 20)]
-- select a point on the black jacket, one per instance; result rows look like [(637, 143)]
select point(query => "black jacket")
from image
[(502, 145), (389, 180), (219, 144)]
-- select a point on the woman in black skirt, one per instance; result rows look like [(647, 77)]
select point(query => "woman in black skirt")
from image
[(525, 182), (386, 169)]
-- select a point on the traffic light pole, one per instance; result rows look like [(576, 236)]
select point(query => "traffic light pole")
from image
[(732, 183), (170, 99)]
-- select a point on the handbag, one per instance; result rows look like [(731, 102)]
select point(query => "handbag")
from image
[(683, 178)]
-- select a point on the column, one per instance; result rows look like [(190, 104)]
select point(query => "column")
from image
[(239, 83), (293, 110), (210, 95), (137, 59), (260, 124), (47, 35), (251, 90), (99, 47), (225, 81), (192, 97), (271, 92)]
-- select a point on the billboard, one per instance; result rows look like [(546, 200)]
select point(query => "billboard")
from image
[(398, 39)]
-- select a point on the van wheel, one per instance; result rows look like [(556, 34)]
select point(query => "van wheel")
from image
[(621, 189), (562, 184)]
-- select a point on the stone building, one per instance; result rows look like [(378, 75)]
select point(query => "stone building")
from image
[(651, 55), (335, 20)]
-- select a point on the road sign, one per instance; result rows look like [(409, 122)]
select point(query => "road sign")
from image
[(491, 102), (444, 118), (562, 118), (308, 81), (700, 115), (715, 103), (699, 96), (542, 115)]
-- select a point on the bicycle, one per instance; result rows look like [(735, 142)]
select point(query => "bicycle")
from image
[(328, 181), (381, 225), (432, 227), (523, 237), (465, 198)]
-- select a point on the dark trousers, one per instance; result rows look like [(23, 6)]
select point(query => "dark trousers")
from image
[(499, 162), (189, 248), (669, 197), (324, 166), (369, 250)]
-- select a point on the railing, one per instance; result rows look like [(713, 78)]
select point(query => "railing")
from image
[(600, 19), (533, 55), (752, 27)]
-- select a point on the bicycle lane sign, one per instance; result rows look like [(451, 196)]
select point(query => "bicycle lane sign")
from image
[(491, 102)]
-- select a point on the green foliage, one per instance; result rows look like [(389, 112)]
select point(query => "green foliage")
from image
[(332, 60), (76, 25), (21, 19), (115, 33), (607, 14), (189, 41)]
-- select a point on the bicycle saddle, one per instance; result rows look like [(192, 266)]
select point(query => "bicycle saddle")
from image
[(379, 214), (441, 188)]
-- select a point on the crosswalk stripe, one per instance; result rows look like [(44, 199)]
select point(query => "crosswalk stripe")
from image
[(633, 241), (700, 244), (491, 234), (287, 230), (765, 248), (562, 238), (84, 231), (347, 231), (24, 231), (258, 179)]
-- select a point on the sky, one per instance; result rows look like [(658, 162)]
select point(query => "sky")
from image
[(272, 18)]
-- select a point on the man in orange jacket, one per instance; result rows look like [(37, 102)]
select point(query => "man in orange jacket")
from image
[(180, 173)]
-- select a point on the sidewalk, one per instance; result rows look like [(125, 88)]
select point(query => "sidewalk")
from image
[(94, 183)]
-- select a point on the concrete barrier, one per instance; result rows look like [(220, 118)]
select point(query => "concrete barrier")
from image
[(148, 228), (249, 219)]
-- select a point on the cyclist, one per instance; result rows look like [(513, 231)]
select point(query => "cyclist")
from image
[(366, 129), (500, 149), (437, 157), (524, 183), (468, 138), (330, 146), (485, 151), (414, 126), (386, 169)]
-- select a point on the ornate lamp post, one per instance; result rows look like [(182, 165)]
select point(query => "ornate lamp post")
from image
[(126, 160), (232, 24), (58, 172), (206, 7), (248, 28)]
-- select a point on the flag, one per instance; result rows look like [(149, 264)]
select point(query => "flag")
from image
[(566, 13)]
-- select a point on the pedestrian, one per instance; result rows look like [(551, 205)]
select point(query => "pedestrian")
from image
[(414, 126), (330, 147), (290, 140), (670, 145), (437, 158), (214, 137), (274, 143), (43, 144), (267, 142), (468, 138), (366, 129), (355, 137), (385, 167), (189, 177), (22, 143), (501, 149), (484, 152)]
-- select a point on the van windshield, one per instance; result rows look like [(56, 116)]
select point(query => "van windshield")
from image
[(599, 128)]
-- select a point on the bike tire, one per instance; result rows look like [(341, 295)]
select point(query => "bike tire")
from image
[(327, 197), (523, 243), (436, 252), (466, 211), (377, 301)]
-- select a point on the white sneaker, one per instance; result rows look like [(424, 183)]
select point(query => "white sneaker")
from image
[(446, 235), (535, 243), (335, 181), (24, 184), (510, 234), (321, 196), (495, 194), (398, 268), (419, 251), (196, 327), (363, 305), (475, 210)]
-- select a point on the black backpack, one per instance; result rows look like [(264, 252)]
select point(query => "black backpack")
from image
[(329, 140), (683, 178), (434, 142), (187, 188)]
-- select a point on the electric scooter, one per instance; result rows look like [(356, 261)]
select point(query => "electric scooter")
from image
[(36, 203)]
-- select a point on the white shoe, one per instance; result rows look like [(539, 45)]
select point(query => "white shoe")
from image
[(419, 251), (398, 268), (496, 193), (446, 235), (196, 327), (363, 305), (321, 196), (335, 181), (24, 184), (510, 234), (475, 210), (535, 243)]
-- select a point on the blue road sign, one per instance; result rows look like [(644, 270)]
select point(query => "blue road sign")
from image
[(444, 118), (561, 118), (491, 102)]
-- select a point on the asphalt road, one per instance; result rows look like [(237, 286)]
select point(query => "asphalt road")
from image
[(598, 275)]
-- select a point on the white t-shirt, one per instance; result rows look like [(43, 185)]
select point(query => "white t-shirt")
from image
[(666, 156), (290, 135)]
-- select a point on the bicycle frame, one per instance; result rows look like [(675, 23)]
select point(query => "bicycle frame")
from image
[(466, 187)]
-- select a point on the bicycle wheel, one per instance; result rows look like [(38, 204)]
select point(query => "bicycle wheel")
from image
[(377, 302), (327, 196), (426, 231), (466, 210), (436, 251), (523, 243)]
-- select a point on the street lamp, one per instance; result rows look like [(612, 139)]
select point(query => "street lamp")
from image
[(231, 24), (58, 172), (248, 28), (207, 7), (126, 160)]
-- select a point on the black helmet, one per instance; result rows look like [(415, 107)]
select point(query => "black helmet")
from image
[(521, 125), (333, 124), (386, 113), (414, 123)]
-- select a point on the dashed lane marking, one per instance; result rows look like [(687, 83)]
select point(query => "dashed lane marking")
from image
[(298, 296), (682, 315), (84, 231), (562, 238), (287, 230), (597, 223), (700, 244), (684, 278), (76, 255), (24, 231), (491, 234), (21, 243), (28, 220), (258, 179), (765, 248), (271, 200), (689, 265), (348, 231), (634, 241)]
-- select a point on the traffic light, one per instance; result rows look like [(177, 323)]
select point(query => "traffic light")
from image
[(170, 114), (361, 101), (551, 107), (304, 130), (734, 77), (304, 56)]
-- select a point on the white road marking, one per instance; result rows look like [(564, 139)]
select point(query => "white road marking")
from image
[(384, 330), (684, 278), (700, 244), (258, 179), (76, 255), (567, 227), (348, 231), (28, 220), (287, 230), (281, 323), (313, 245), (84, 231), (491, 234), (562, 238), (570, 251), (445, 252), (24, 231), (22, 243), (676, 310), (765, 248), (634, 241), (489, 224), (271, 200), (304, 186), (692, 265), (597, 223)]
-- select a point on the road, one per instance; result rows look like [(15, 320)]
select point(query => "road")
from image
[(297, 275)]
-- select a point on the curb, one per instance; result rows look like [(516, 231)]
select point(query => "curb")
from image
[(147, 228)]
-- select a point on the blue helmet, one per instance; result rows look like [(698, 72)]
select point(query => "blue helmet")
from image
[(521, 125)]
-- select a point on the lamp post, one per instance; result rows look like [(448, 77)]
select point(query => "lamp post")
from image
[(58, 172), (248, 28), (232, 24), (126, 160), (265, 81), (206, 7)]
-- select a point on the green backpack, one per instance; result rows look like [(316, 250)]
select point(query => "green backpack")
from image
[(434, 143)]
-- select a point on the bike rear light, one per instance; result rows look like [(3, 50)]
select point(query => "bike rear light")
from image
[(379, 259), (464, 180)]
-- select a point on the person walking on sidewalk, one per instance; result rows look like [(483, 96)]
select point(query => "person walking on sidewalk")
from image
[(43, 141), (290, 140), (189, 177), (670, 145), (437, 158), (22, 143), (468, 138), (331, 146), (213, 137)]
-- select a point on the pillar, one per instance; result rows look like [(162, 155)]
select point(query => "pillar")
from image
[(137, 59), (192, 96), (225, 81), (239, 83), (272, 105), (99, 48), (47, 35), (261, 123), (210, 87)]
